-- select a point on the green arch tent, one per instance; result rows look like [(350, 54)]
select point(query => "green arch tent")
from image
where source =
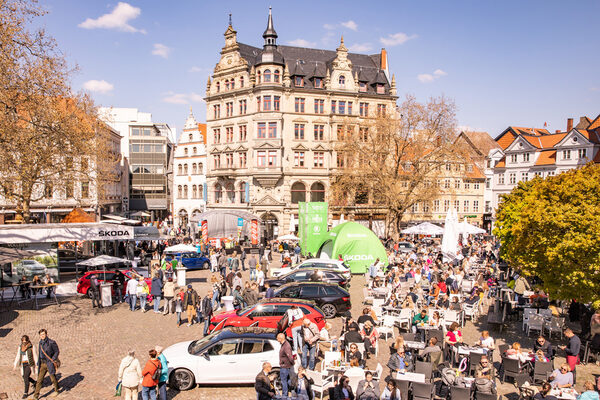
[(357, 244)]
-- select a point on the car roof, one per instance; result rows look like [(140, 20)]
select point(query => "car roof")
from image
[(308, 283), (315, 269), (247, 332), (288, 300), (328, 260)]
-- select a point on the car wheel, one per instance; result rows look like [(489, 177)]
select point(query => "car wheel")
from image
[(329, 310), (276, 379), (89, 293), (181, 379), (205, 265)]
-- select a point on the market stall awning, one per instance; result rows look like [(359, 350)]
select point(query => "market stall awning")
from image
[(181, 248), (102, 260), (48, 233)]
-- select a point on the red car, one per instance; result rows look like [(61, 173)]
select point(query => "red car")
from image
[(83, 286), (266, 314)]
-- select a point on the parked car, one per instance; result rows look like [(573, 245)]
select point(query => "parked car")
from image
[(31, 268), (405, 247), (329, 297), (306, 274), (266, 314), (228, 356), (83, 285), (334, 265), (190, 260)]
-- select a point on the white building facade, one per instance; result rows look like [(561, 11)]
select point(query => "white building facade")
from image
[(189, 173)]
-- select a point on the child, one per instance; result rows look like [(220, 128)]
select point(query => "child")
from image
[(179, 304)]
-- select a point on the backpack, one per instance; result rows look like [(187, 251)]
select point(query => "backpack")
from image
[(483, 385), (157, 372)]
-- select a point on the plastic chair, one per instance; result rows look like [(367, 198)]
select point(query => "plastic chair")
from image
[(368, 297), (387, 328), (320, 383), (536, 323), (460, 393), (422, 391), (510, 368), (541, 371), (425, 368)]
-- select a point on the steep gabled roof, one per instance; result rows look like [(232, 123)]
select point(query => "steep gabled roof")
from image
[(506, 138), (501, 163), (482, 142), (546, 157), (595, 123)]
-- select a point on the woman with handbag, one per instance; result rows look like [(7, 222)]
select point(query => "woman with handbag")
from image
[(130, 375), (26, 359)]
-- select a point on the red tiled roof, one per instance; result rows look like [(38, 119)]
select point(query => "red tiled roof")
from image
[(595, 123), (546, 157), (506, 138), (501, 163), (545, 141)]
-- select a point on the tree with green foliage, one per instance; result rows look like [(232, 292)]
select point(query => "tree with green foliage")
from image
[(550, 228)]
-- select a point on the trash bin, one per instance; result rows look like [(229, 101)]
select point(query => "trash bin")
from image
[(181, 276), (106, 294), (228, 302)]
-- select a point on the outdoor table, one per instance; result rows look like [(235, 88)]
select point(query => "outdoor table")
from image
[(337, 369), (41, 287), (567, 394), (381, 291), (410, 376), (414, 345), (24, 287), (466, 350)]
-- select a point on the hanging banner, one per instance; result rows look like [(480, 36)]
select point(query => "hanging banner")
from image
[(240, 226), (205, 231), (254, 231), (312, 225)]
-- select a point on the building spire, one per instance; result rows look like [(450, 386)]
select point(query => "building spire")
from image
[(270, 35), (230, 23)]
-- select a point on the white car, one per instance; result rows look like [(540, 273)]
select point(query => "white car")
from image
[(333, 265), (30, 268), (233, 355)]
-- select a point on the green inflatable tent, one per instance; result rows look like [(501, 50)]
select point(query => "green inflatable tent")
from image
[(357, 244)]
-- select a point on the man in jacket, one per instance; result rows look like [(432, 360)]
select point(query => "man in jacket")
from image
[(164, 373), (262, 385), (310, 333), (286, 363), (47, 363), (207, 310), (95, 291), (243, 259), (367, 389), (399, 362), (190, 302)]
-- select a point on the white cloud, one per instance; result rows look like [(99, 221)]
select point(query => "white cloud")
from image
[(182, 98), (329, 27), (161, 50), (360, 47), (350, 25), (98, 86), (394, 39), (117, 19), (428, 78), (301, 43)]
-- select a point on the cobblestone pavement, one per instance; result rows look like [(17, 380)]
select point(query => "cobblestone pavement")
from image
[(92, 343)]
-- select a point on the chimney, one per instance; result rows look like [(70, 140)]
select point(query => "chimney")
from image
[(557, 131), (569, 124)]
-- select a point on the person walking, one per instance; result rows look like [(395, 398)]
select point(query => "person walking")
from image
[(130, 375), (164, 373), (150, 376), (26, 360), (243, 259), (142, 292), (190, 302), (207, 310), (260, 280), (286, 363), (156, 291), (95, 291), (169, 293), (252, 266), (131, 292), (310, 334), (47, 363)]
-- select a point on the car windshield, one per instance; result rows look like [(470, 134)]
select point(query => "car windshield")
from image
[(197, 345), (244, 311)]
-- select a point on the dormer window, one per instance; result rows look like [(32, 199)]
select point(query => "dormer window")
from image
[(318, 83), (299, 81), (362, 87), (380, 88), (276, 76), (342, 81), (267, 75)]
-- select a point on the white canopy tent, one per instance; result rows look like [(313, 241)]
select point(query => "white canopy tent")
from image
[(425, 228), (102, 260), (289, 237), (181, 248), (467, 229)]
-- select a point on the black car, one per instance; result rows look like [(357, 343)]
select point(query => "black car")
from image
[(329, 297), (309, 274)]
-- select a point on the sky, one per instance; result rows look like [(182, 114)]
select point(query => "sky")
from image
[(523, 63)]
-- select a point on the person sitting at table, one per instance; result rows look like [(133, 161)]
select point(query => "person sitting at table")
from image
[(562, 377), (370, 336), (433, 350), (392, 301), (443, 302), (435, 320), (419, 321), (434, 293), (486, 342), (355, 354), (326, 341), (544, 393), (413, 296), (453, 338), (455, 305), (484, 369), (399, 362), (398, 344), (515, 353), (352, 336), (343, 390), (36, 281), (391, 391), (408, 302), (542, 344), (47, 281), (368, 389), (24, 287), (540, 357), (366, 316), (473, 298), (590, 392)]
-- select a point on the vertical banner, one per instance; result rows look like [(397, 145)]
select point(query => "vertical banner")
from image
[(254, 231), (205, 231), (240, 226), (312, 225), (247, 194), (205, 192)]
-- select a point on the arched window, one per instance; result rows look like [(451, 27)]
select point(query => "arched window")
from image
[(267, 75), (298, 192), (185, 151), (218, 193), (195, 150), (201, 191), (185, 169), (194, 169), (179, 169), (342, 81), (258, 76), (194, 191), (230, 193), (226, 84), (241, 81), (218, 87), (191, 137), (243, 193), (317, 192), (185, 191), (179, 192), (201, 169), (276, 76), (232, 84)]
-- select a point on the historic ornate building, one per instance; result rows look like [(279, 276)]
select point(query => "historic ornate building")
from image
[(273, 116)]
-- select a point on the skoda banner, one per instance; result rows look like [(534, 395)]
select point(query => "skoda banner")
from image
[(312, 223)]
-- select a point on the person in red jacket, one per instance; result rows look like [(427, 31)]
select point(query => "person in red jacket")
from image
[(148, 373)]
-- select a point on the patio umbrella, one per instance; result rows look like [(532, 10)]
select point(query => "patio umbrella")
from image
[(181, 248), (466, 228), (425, 228), (140, 214), (103, 260)]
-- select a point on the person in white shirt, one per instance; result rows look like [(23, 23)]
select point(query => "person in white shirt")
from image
[(295, 317), (486, 341), (260, 280), (131, 291)]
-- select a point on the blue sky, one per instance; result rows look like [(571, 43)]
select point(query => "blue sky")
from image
[(504, 63)]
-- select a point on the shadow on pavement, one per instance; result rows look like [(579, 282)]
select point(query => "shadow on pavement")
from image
[(69, 382)]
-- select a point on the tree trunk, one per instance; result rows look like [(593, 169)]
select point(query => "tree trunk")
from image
[(394, 219)]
